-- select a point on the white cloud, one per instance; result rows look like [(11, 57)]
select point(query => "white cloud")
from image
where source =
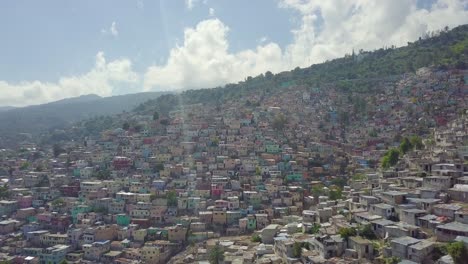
[(326, 30), (365, 24), (112, 30), (204, 61), (100, 80), (211, 11), (190, 3)]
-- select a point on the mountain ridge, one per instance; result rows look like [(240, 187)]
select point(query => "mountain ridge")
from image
[(37, 119)]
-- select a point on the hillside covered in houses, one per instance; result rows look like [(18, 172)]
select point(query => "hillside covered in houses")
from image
[(362, 159)]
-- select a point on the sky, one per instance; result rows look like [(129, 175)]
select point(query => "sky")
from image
[(54, 49)]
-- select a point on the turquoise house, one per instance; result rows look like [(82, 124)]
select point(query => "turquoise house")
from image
[(193, 203), (286, 157), (272, 148), (294, 177), (282, 166), (123, 220), (251, 222), (260, 187), (79, 209)]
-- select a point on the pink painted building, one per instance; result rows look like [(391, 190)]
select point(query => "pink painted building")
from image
[(25, 201), (216, 189)]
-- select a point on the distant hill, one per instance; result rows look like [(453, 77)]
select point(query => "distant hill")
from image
[(6, 108), (60, 114), (79, 99)]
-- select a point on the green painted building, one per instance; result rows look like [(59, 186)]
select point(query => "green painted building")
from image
[(79, 209), (294, 177), (251, 222), (272, 148), (123, 220)]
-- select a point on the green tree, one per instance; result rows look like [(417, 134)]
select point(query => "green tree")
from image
[(439, 251), (346, 232), (155, 116), (366, 231), (409, 67), (171, 197), (335, 193), (258, 171), (390, 158), (405, 145), (256, 238), (391, 260), (279, 122), (297, 250), (57, 149), (457, 251), (358, 177), (315, 229), (101, 210), (39, 167), (125, 126), (373, 133), (343, 117), (103, 174), (59, 202), (416, 142), (317, 190), (5, 191), (339, 181), (216, 255), (138, 128), (24, 166), (159, 167)]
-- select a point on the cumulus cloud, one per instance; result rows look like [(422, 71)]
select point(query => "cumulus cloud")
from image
[(326, 30), (211, 11), (204, 61), (365, 24), (100, 80)]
